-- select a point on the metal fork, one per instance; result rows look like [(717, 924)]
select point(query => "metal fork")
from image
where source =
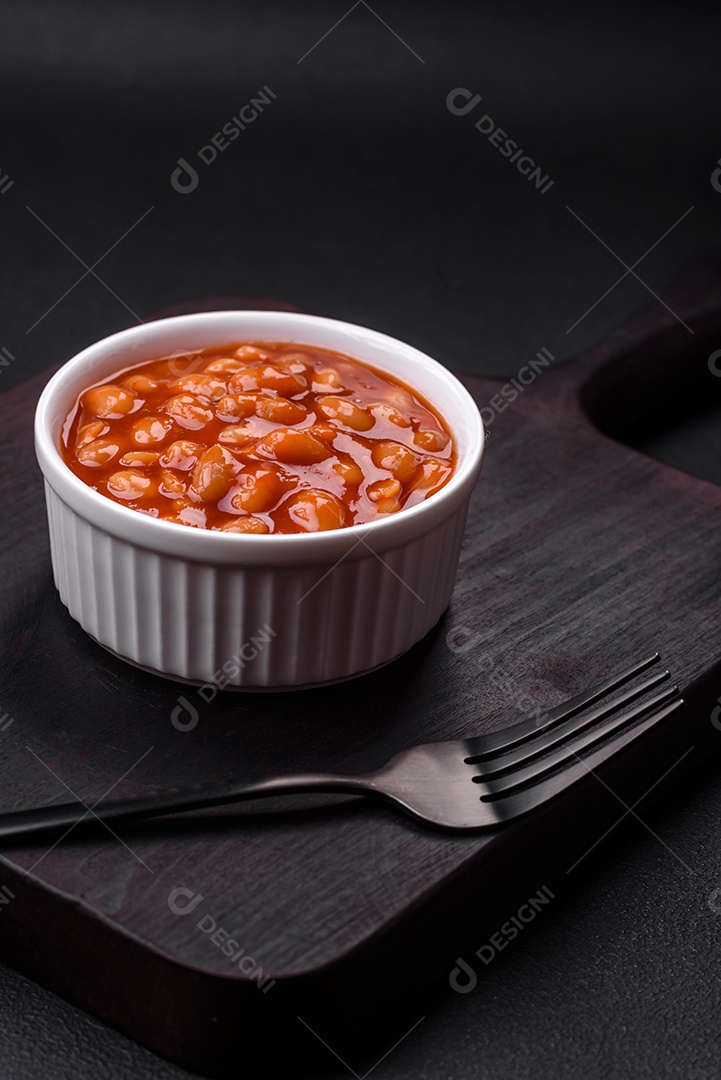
[(465, 784)]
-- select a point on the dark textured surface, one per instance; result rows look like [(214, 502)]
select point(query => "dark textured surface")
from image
[(561, 578), (356, 193), (381, 207)]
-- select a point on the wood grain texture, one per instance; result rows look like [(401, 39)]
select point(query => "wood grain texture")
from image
[(581, 556)]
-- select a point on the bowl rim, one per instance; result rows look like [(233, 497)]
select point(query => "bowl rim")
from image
[(216, 546)]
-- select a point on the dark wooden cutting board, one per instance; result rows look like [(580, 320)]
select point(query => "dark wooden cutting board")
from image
[(582, 555)]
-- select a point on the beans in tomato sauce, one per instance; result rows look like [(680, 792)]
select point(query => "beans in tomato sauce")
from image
[(259, 438)]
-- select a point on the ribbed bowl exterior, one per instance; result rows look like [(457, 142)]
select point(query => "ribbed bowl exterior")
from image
[(252, 627), (254, 612)]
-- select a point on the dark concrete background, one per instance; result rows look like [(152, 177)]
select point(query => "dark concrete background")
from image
[(358, 194)]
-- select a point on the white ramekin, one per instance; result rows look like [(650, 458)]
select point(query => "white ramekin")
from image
[(244, 611)]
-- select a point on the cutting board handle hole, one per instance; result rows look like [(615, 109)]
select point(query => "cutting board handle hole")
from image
[(667, 404)]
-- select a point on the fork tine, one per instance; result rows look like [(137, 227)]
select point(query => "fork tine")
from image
[(521, 802), (499, 741), (547, 738), (569, 750)]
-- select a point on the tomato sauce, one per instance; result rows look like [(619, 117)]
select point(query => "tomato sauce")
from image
[(258, 438)]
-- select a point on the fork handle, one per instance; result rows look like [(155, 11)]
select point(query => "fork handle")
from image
[(31, 823)]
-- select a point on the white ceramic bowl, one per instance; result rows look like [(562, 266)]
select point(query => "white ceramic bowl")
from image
[(254, 612)]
